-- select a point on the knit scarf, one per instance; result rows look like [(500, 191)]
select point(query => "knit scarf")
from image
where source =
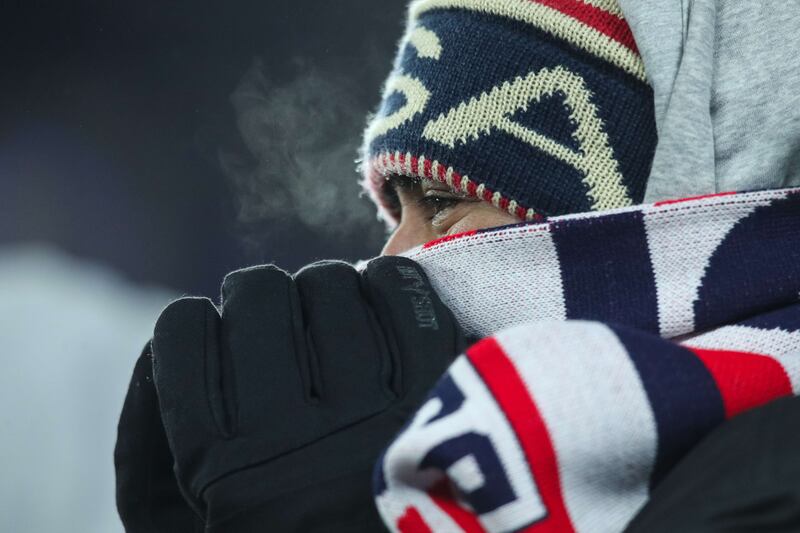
[(612, 343)]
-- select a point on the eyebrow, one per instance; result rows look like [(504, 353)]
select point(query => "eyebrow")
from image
[(396, 181)]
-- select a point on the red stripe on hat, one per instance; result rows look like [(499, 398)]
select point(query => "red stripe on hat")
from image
[(414, 164), (412, 522), (745, 380), (442, 174), (597, 18), (444, 498), (511, 394)]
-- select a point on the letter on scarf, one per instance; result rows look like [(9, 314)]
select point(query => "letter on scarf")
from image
[(563, 426)]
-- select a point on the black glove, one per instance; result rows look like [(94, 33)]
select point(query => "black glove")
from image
[(148, 498), (277, 411)]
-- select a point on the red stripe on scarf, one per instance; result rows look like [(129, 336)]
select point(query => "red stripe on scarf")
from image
[(745, 380), (444, 498), (449, 238), (599, 19), (692, 198), (412, 522), (508, 389)]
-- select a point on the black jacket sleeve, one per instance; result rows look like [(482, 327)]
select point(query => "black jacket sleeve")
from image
[(744, 477)]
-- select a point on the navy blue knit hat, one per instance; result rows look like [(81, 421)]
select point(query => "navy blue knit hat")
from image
[(540, 107)]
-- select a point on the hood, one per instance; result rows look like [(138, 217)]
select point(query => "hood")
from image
[(726, 85)]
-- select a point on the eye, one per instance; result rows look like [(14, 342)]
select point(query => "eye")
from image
[(443, 208), (436, 204)]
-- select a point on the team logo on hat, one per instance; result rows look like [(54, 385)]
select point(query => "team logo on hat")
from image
[(547, 117)]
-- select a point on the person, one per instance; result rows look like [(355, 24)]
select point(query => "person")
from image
[(622, 346)]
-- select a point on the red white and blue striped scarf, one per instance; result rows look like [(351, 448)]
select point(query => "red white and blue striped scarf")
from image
[(613, 343)]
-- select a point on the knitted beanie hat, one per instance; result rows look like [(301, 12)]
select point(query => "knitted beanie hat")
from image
[(540, 107)]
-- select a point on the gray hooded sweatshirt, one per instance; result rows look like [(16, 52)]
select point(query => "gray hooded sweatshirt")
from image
[(726, 78)]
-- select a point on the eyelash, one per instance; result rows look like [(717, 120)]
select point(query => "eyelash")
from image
[(437, 204)]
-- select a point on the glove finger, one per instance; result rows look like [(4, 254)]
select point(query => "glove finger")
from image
[(261, 341), (346, 341), (188, 377), (148, 497), (423, 333)]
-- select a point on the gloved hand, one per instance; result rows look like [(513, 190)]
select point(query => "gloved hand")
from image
[(148, 498), (277, 410)]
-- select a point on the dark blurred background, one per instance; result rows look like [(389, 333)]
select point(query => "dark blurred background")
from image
[(120, 130), (146, 149)]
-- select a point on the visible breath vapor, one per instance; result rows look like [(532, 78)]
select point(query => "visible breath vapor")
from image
[(302, 138)]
